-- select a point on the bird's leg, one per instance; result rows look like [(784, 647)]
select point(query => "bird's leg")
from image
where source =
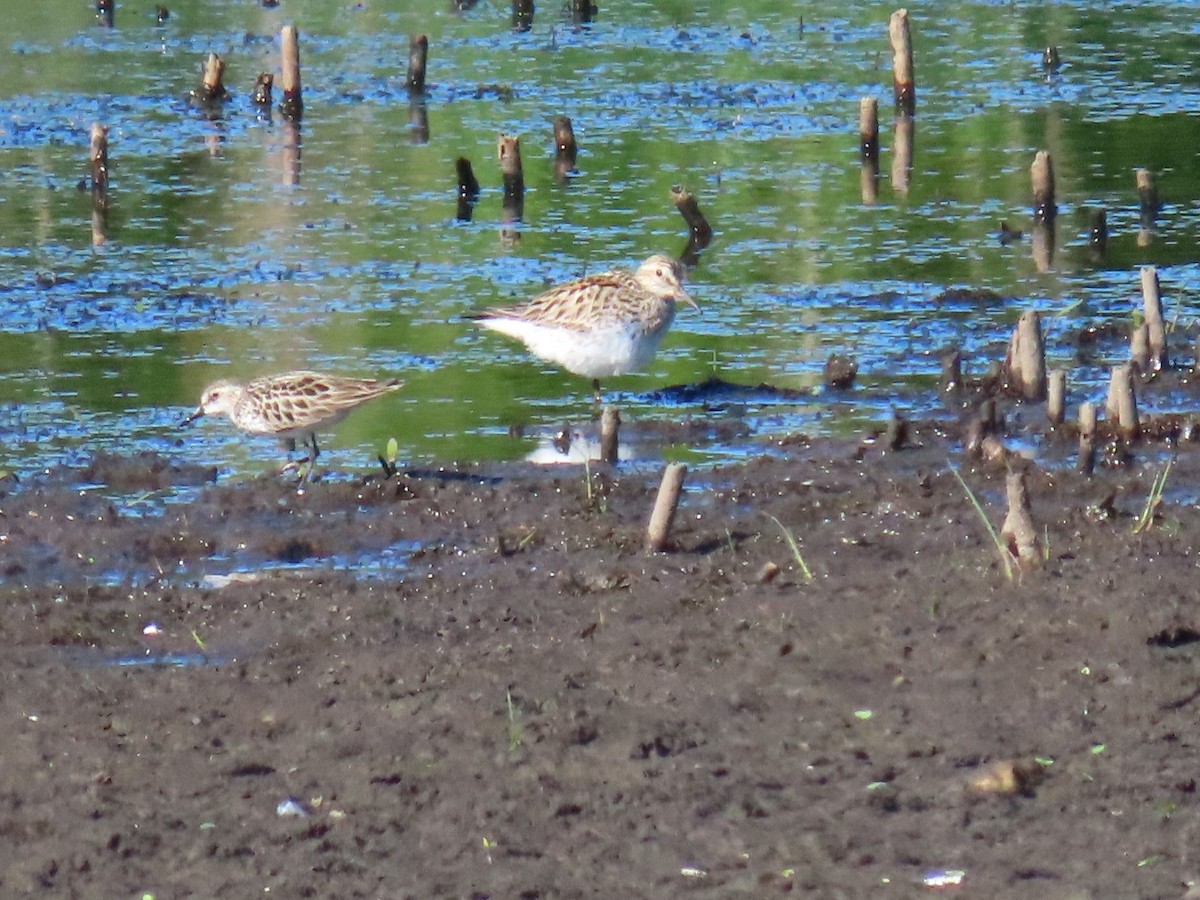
[(311, 462), (597, 397), (289, 447)]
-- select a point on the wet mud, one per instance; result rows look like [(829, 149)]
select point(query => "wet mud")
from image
[(475, 682)]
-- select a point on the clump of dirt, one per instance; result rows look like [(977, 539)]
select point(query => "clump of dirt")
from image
[(477, 683)]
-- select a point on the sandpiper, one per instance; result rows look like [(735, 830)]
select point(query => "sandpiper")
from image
[(601, 325), (289, 406)]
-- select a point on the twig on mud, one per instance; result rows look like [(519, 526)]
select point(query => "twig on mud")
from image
[(791, 539), (1001, 547), (1154, 500)]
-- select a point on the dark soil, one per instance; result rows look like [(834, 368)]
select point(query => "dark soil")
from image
[(477, 683)]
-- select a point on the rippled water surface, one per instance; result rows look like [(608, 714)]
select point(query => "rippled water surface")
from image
[(224, 253)]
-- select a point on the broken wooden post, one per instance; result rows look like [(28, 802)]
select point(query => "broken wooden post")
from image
[(896, 435), (262, 92), (98, 158), (1025, 363), (292, 104), (1152, 305), (701, 232), (868, 128), (98, 164), (522, 15), (610, 424), (1041, 174), (418, 56), (1139, 348), (1050, 60), (903, 86), (468, 189), (565, 148), (1087, 438), (105, 10), (1148, 203), (1056, 395), (212, 83), (665, 504), (508, 151), (1018, 531), (161, 14), (1121, 405), (583, 11), (951, 370)]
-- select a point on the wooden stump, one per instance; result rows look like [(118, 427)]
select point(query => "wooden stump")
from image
[(904, 86), (1056, 395), (1025, 363), (565, 149), (1155, 325), (1121, 405), (1087, 438), (1018, 530), (1041, 175), (292, 104), (522, 15), (610, 424), (665, 504), (418, 57)]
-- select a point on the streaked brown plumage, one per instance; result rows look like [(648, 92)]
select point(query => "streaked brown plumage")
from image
[(601, 325), (291, 405)]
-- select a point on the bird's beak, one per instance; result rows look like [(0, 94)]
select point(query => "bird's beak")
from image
[(199, 411), (687, 298)]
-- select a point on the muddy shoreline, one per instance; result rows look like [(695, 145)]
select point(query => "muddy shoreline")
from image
[(514, 699)]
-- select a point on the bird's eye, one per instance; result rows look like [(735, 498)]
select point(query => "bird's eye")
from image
[(658, 272)]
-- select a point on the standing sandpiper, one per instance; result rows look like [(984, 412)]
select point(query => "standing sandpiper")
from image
[(599, 326), (289, 406)]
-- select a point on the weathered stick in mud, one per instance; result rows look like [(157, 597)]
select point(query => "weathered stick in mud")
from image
[(1139, 348), (952, 371), (262, 91), (583, 11), (868, 128), (522, 15), (1087, 438), (1018, 531), (1041, 175), (508, 152), (468, 189), (105, 10), (665, 505), (212, 83), (1056, 396), (292, 104), (686, 203), (418, 58), (1121, 405), (610, 424), (903, 84), (1025, 363), (1152, 305), (565, 149), (98, 158)]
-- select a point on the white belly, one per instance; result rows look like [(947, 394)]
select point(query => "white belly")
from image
[(600, 353)]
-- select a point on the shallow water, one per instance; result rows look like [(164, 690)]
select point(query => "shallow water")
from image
[(224, 256)]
